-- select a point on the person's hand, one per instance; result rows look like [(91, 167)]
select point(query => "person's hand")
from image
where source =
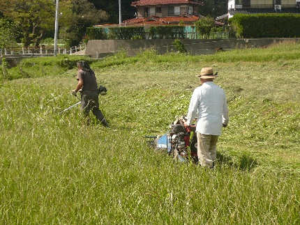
[(74, 93)]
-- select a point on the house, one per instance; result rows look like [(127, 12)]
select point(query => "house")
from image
[(164, 12), (262, 6)]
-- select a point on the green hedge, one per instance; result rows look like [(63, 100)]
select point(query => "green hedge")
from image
[(133, 33), (115, 33), (266, 25), (95, 33), (167, 32), (126, 33)]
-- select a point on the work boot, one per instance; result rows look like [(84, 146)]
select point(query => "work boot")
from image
[(104, 122)]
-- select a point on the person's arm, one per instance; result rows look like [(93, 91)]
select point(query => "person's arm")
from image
[(193, 108), (225, 118), (79, 84)]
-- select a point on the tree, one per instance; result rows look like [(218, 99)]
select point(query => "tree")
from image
[(7, 34), (77, 15), (111, 7), (204, 26), (32, 17), (213, 8), (35, 18)]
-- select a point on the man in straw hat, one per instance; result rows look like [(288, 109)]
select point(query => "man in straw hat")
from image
[(209, 105)]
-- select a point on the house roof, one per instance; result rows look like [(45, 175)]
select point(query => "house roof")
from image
[(162, 20), (164, 2)]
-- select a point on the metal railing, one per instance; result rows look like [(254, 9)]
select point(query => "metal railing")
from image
[(41, 51)]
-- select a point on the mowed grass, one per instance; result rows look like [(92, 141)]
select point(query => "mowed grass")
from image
[(56, 170)]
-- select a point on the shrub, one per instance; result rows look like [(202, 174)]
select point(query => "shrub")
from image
[(47, 41), (204, 26), (123, 33), (265, 25), (4, 68), (166, 32), (136, 33), (126, 33), (137, 37), (95, 33), (179, 46), (8, 32)]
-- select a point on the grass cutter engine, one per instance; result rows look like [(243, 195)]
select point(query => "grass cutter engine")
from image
[(178, 141), (182, 139)]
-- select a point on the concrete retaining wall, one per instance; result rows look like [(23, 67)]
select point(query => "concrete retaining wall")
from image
[(101, 48)]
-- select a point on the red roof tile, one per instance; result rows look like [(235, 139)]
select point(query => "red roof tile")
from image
[(164, 2), (162, 20)]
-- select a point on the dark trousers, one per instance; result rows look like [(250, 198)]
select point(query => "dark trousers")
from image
[(90, 102)]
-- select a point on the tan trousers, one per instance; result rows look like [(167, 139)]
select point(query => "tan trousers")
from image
[(207, 149)]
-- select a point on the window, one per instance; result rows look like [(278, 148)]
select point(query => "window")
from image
[(158, 9), (191, 10), (277, 2), (171, 10), (152, 11), (146, 12), (177, 10), (246, 4), (183, 10), (238, 4)]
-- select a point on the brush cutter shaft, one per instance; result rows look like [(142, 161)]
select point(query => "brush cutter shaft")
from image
[(72, 106)]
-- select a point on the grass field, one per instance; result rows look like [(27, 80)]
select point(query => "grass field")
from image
[(56, 170)]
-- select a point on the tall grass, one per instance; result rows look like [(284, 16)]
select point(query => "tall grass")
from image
[(56, 170), (44, 66), (278, 52)]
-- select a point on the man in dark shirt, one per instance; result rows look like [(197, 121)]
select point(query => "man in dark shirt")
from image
[(89, 92)]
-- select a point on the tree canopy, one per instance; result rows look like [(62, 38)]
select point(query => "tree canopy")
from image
[(7, 31), (76, 16), (112, 8), (213, 8), (33, 20)]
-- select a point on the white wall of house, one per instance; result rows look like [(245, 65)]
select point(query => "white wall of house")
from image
[(288, 3), (262, 3), (238, 4), (231, 4), (152, 11), (176, 10), (164, 10)]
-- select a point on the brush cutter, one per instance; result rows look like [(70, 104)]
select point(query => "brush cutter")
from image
[(71, 107), (101, 91)]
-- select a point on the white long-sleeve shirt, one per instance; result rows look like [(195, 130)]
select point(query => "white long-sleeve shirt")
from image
[(209, 105)]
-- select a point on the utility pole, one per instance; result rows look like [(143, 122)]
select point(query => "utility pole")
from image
[(120, 13), (56, 27)]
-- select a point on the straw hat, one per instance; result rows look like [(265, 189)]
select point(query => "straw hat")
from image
[(207, 73)]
